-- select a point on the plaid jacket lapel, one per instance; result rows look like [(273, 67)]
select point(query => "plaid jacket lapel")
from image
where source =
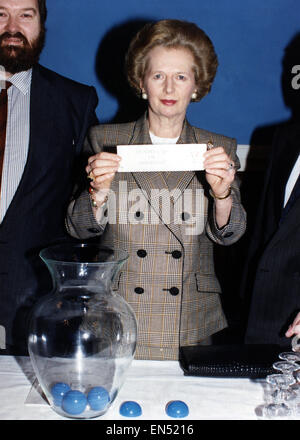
[(153, 183)]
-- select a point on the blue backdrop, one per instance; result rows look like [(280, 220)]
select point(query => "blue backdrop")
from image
[(86, 41)]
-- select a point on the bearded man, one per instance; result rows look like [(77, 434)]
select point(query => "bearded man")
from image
[(43, 121)]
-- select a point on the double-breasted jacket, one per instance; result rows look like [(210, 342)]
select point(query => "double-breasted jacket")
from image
[(166, 222)]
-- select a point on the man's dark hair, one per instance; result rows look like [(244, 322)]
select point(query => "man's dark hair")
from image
[(42, 10)]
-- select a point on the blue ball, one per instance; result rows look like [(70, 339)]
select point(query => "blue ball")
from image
[(130, 409), (98, 398), (177, 409), (58, 391), (74, 402)]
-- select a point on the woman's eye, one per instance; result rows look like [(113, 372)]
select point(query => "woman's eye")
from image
[(157, 76), (181, 77)]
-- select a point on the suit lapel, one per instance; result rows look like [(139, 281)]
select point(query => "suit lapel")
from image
[(150, 180), (283, 167), (181, 180), (290, 223), (42, 110), (146, 180), (154, 183)]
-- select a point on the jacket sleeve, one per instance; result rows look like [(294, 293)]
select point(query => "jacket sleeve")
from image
[(89, 117), (80, 221), (236, 225)]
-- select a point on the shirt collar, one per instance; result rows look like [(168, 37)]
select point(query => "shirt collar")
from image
[(22, 80)]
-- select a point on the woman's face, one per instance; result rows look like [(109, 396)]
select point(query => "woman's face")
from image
[(169, 81)]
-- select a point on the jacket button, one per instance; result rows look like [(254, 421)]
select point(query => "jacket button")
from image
[(141, 253), (139, 215), (176, 254), (174, 291), (228, 234), (139, 290), (185, 216)]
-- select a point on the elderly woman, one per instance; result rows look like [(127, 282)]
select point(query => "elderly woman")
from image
[(169, 277)]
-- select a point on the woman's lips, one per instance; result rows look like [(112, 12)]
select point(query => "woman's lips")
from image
[(168, 101)]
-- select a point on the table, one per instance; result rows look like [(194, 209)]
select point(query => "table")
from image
[(150, 383)]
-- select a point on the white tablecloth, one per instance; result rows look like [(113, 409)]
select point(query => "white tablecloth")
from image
[(150, 383)]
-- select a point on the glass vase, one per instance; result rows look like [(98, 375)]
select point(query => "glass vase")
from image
[(82, 336)]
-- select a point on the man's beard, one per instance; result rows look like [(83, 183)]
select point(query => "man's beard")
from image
[(16, 58)]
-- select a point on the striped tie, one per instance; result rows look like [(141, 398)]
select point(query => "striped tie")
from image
[(3, 120)]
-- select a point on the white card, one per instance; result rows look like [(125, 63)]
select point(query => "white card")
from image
[(165, 157)]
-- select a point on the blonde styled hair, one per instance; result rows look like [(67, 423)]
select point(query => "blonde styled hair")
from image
[(172, 34)]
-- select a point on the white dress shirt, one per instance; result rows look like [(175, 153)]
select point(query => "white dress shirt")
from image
[(292, 180)]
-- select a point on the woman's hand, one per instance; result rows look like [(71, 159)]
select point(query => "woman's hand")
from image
[(294, 328), (220, 171), (101, 170)]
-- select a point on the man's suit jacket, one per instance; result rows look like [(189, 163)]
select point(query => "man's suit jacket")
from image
[(273, 270), (169, 278), (61, 111)]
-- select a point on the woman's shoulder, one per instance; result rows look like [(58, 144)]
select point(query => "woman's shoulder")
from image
[(205, 136), (112, 134)]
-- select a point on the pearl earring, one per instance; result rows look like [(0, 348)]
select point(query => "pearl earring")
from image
[(194, 95), (144, 95)]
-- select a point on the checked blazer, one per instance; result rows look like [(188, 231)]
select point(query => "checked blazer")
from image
[(169, 277)]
